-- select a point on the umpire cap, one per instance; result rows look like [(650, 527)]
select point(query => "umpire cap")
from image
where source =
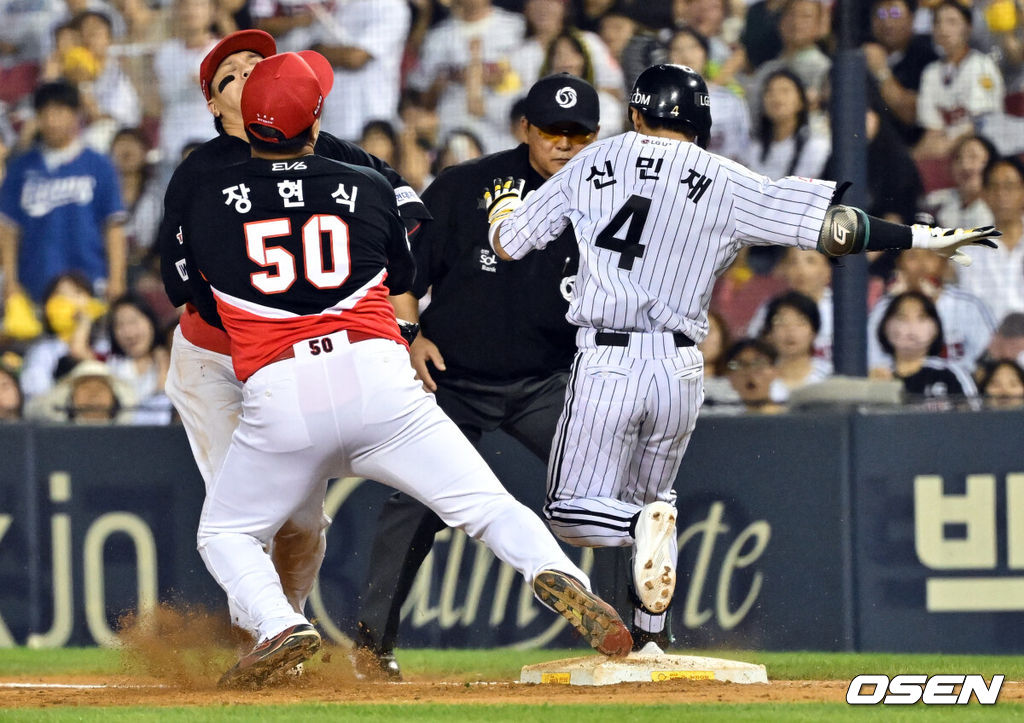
[(561, 100), (675, 93)]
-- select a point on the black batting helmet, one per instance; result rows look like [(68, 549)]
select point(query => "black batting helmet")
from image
[(674, 93)]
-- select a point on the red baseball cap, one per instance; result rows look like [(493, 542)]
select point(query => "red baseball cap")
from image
[(257, 41), (286, 92)]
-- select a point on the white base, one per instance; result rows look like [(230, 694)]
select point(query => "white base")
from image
[(648, 665)]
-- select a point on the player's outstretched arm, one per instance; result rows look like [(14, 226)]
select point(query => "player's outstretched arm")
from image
[(849, 230), (503, 197)]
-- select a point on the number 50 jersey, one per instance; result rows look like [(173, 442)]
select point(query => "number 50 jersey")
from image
[(295, 249)]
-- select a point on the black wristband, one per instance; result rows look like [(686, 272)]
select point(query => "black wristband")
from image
[(886, 235)]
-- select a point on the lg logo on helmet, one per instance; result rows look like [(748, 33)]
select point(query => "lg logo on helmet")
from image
[(703, 99), (566, 97)]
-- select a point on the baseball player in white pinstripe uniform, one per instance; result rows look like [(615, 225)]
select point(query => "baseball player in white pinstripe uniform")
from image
[(658, 219)]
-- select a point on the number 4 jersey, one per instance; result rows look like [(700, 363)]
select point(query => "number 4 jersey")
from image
[(658, 221), (295, 249)]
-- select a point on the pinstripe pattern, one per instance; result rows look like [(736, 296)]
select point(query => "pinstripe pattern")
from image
[(658, 221)]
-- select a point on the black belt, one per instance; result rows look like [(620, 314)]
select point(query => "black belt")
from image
[(621, 338)]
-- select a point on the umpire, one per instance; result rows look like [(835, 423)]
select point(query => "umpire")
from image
[(494, 344)]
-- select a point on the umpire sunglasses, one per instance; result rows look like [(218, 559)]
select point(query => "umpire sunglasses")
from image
[(576, 137)]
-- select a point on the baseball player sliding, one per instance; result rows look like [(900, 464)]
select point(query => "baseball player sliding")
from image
[(658, 219), (201, 382), (301, 253)]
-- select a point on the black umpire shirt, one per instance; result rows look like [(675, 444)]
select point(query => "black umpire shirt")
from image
[(493, 321), (180, 281)]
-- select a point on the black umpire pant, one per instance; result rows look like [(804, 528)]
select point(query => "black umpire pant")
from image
[(526, 410)]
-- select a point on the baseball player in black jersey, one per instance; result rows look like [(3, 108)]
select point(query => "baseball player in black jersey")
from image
[(300, 253), (658, 219), (200, 381), (494, 344)]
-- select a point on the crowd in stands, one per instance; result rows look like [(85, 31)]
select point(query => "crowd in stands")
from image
[(99, 100)]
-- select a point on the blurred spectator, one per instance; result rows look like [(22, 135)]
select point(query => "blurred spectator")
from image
[(569, 53), (631, 45), (60, 206), (1001, 384), (896, 57), (184, 116), (460, 146), (141, 191), (25, 33), (515, 120), (379, 139), (751, 367), (11, 400), (232, 15), (997, 275), (962, 206), (967, 322), (1008, 341), (465, 70), (792, 322), (910, 332), (146, 26), (291, 22), (545, 21), (893, 182), (363, 39), (810, 273), (109, 98), (653, 14), (760, 37), (69, 313), (717, 389), (730, 126), (138, 358), (708, 19), (1003, 38), (787, 144), (957, 91), (799, 27), (88, 394)]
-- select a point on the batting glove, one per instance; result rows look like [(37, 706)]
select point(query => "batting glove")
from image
[(947, 241), (503, 198)]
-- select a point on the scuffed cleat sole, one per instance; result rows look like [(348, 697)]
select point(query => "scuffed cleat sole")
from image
[(289, 654), (654, 573), (592, 617)]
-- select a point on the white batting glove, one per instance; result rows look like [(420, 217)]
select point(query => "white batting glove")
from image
[(503, 199), (947, 241)]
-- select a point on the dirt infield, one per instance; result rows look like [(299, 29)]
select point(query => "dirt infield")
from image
[(177, 658), (327, 685), (123, 692)]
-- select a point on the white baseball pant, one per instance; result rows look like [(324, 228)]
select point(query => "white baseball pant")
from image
[(203, 388), (628, 415), (356, 410)]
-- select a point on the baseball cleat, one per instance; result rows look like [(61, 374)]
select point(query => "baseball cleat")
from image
[(654, 569), (595, 619), (641, 638), (274, 656)]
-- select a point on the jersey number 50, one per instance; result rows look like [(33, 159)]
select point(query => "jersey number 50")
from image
[(329, 275)]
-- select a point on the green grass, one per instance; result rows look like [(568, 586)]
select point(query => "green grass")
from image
[(504, 664)]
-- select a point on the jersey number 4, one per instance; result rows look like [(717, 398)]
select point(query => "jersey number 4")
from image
[(634, 213), (321, 271)]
